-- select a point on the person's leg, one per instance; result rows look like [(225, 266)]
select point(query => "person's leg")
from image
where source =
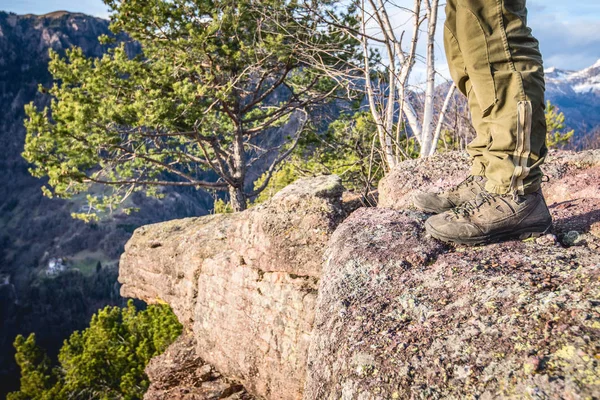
[(474, 184), (503, 69), (458, 72), (503, 78)]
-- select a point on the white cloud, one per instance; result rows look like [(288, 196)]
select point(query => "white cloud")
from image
[(567, 44)]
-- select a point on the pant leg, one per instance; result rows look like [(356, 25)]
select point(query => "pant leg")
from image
[(458, 71), (503, 65)]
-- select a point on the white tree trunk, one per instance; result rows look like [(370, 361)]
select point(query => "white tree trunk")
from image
[(390, 103), (399, 107), (384, 134), (428, 123), (438, 128)]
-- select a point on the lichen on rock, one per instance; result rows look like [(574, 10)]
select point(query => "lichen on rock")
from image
[(243, 284), (295, 299), (508, 320), (466, 325)]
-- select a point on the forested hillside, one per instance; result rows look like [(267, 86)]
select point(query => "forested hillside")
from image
[(38, 237)]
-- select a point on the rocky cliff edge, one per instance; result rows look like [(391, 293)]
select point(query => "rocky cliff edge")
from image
[(295, 299)]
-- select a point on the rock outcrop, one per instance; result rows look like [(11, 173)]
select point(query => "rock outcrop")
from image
[(244, 284), (401, 315), (180, 374), (293, 300), (568, 175)]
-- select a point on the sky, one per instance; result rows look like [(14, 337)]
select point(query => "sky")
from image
[(568, 31), (92, 7)]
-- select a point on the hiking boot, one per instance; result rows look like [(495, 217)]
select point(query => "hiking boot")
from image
[(492, 217), (454, 197)]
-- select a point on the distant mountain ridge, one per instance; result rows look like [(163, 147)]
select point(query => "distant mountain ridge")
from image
[(577, 94), (59, 14), (586, 81)]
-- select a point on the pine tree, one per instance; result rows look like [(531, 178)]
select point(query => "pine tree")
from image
[(105, 361), (555, 122), (211, 82), (38, 380)]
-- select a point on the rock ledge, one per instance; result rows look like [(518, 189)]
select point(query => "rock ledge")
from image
[(295, 299)]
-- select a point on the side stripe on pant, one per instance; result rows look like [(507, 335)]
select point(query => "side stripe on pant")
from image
[(523, 147)]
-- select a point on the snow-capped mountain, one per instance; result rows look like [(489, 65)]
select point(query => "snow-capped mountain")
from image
[(577, 94), (579, 82)]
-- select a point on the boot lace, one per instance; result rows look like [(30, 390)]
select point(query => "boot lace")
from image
[(465, 182), (471, 207)]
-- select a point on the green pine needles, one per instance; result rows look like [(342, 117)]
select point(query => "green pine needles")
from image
[(558, 136), (105, 361), (197, 107)]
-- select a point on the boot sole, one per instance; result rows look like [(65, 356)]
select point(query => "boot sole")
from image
[(520, 234)]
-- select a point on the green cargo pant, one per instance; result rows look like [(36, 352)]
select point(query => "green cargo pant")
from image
[(495, 61)]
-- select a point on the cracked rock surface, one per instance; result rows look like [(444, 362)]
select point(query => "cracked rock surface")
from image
[(304, 297), (179, 374), (244, 284), (402, 316)]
